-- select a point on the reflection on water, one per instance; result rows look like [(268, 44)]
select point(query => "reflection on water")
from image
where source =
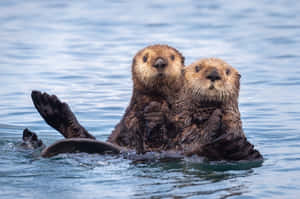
[(82, 52)]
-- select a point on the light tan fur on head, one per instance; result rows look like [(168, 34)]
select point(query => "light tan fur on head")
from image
[(212, 80), (146, 77)]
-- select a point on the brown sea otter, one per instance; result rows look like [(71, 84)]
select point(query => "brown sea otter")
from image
[(203, 120), (207, 113), (157, 79)]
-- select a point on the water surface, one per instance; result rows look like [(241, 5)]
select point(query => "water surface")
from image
[(82, 52)]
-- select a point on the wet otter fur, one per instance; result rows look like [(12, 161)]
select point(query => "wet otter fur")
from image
[(207, 113), (157, 80), (59, 115), (194, 114), (31, 140)]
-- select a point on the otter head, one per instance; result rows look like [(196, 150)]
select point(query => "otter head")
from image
[(212, 81), (156, 68)]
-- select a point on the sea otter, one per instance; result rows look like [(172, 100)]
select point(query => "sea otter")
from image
[(157, 79), (207, 113), (198, 116), (157, 74)]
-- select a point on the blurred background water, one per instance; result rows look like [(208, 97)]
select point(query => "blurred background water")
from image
[(82, 52)]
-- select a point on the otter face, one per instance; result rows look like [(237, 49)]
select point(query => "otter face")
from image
[(156, 66), (212, 80)]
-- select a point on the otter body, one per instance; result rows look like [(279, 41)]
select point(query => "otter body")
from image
[(157, 80), (192, 110), (208, 116)]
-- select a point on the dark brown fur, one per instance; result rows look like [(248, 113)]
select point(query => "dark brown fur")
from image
[(142, 129), (154, 91), (202, 118), (59, 115), (208, 115), (31, 140), (75, 145)]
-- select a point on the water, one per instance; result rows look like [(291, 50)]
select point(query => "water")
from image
[(82, 50)]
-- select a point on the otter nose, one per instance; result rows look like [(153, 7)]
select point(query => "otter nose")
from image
[(160, 63), (213, 75)]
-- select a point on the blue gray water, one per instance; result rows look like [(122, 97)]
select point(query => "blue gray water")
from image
[(82, 50)]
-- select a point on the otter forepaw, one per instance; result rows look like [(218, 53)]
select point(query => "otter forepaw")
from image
[(153, 107), (216, 116), (230, 147), (153, 113), (213, 128)]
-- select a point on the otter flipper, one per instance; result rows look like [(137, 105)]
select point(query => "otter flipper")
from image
[(58, 115), (80, 145), (31, 140)]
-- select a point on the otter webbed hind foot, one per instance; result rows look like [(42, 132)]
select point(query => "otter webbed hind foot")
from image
[(31, 140), (58, 115), (80, 145)]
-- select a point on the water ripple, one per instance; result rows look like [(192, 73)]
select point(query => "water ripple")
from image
[(82, 52)]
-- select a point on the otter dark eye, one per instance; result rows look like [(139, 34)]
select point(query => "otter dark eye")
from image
[(227, 71), (172, 57), (145, 58), (197, 68)]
